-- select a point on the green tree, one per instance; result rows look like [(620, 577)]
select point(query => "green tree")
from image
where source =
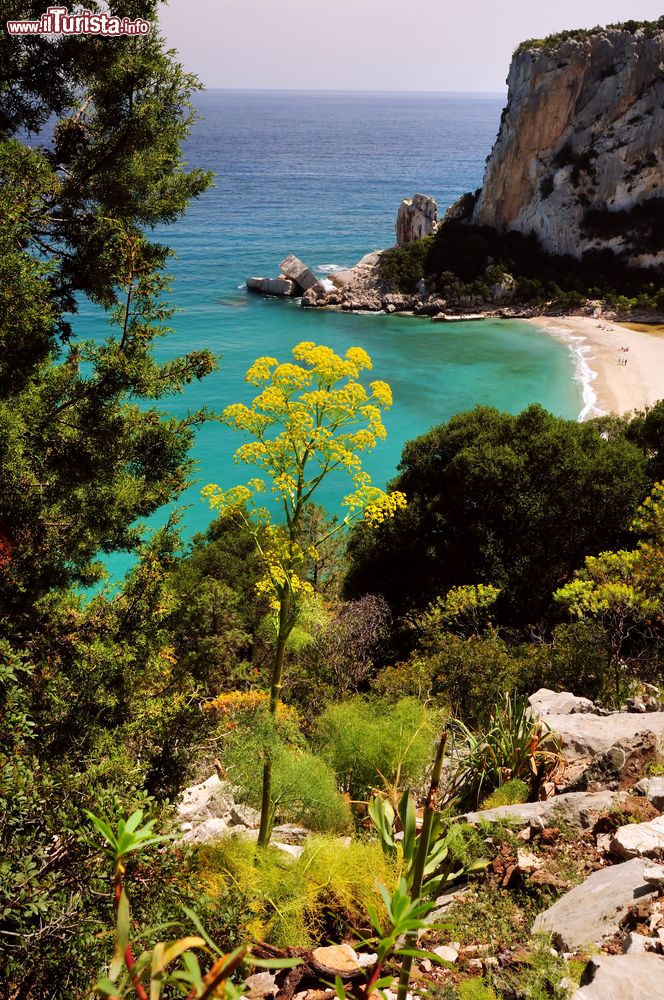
[(623, 590), (307, 421), (84, 448), (512, 501)]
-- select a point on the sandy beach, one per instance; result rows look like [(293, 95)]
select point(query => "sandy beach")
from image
[(609, 385)]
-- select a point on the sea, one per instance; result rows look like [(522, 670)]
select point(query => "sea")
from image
[(321, 175)]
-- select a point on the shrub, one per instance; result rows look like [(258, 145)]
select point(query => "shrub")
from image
[(511, 745), (401, 268), (372, 744), (511, 793), (304, 788), (321, 896)]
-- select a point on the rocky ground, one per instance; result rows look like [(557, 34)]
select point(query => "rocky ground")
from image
[(585, 865)]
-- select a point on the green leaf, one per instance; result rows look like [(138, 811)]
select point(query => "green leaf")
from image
[(196, 921), (274, 963), (409, 823)]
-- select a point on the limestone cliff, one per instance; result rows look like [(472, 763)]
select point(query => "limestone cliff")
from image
[(582, 136)]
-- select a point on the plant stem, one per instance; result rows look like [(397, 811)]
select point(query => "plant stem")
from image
[(285, 627), (130, 961), (421, 858)]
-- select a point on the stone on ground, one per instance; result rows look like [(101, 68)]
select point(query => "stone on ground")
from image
[(211, 799), (546, 702), (592, 911), (260, 985), (578, 809), (623, 977), (339, 959), (653, 789), (640, 840), (587, 735)]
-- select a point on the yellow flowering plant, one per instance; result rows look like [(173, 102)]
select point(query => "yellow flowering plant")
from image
[(309, 418)]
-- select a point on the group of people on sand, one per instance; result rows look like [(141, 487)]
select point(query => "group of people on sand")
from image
[(623, 361)]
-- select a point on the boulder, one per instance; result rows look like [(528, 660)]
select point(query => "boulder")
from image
[(281, 288), (621, 765), (245, 816), (639, 840), (417, 217), (592, 911), (653, 789), (644, 703), (578, 809), (546, 702), (298, 272), (622, 977), (211, 799), (261, 985), (585, 735), (203, 833), (336, 960)]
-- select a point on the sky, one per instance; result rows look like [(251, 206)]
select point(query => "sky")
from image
[(402, 45)]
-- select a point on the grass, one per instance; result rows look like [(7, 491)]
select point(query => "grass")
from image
[(319, 898)]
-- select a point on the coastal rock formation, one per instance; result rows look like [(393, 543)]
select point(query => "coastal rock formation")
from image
[(282, 288), (357, 288), (417, 217), (298, 272), (581, 139)]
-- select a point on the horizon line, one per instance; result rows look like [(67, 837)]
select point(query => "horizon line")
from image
[(347, 90)]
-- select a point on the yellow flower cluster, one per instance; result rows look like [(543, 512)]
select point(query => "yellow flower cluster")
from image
[(385, 508), (233, 703)]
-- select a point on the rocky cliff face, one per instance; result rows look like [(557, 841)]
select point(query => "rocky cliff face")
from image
[(583, 134), (417, 217)]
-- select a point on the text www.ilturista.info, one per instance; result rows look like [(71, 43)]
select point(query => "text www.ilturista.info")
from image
[(58, 21)]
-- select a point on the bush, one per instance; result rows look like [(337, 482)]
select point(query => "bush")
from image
[(320, 897), (372, 744), (401, 268), (511, 793), (304, 788)]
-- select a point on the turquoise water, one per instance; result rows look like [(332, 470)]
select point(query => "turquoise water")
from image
[(322, 175)]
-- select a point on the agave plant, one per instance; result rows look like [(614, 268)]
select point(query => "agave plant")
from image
[(513, 744)]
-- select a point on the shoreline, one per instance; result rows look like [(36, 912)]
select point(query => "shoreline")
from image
[(607, 385)]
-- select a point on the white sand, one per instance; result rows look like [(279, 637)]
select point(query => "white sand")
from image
[(610, 387)]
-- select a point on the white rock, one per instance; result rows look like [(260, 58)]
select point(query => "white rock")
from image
[(527, 863), (592, 911), (447, 953), (653, 789), (210, 829), (640, 840), (281, 288), (242, 815), (546, 702), (211, 799), (623, 977), (298, 272), (293, 850), (260, 985)]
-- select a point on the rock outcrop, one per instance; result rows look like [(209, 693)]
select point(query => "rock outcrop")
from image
[(593, 910), (298, 272), (282, 288), (417, 217), (622, 977), (581, 138)]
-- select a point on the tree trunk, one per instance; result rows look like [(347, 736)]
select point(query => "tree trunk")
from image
[(285, 626)]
